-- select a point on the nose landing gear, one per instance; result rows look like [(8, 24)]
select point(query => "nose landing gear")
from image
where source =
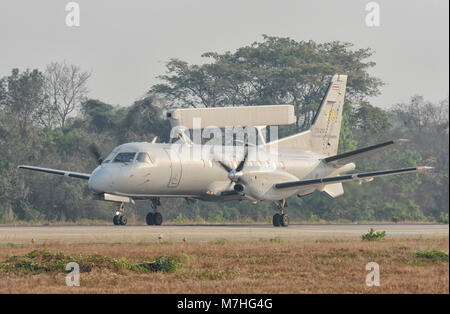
[(281, 219), (154, 218), (119, 216)]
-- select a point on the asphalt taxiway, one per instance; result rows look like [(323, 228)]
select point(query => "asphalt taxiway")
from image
[(201, 233)]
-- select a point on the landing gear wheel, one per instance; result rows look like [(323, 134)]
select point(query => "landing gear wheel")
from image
[(123, 220), (284, 220), (157, 219), (276, 220), (150, 219), (119, 217)]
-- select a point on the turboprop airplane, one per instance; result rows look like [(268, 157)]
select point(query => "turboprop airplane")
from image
[(295, 165)]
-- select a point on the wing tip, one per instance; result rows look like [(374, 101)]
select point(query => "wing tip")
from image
[(423, 168)]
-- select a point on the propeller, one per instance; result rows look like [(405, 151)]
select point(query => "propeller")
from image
[(235, 174), (95, 151)]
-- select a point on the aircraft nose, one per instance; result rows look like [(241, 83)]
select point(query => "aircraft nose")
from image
[(99, 180)]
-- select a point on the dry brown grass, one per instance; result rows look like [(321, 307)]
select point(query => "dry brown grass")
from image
[(316, 266)]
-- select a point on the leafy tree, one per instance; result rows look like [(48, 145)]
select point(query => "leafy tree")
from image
[(143, 121), (22, 97), (102, 117), (275, 71)]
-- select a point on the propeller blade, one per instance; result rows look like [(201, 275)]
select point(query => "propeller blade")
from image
[(241, 164), (224, 166), (233, 174)]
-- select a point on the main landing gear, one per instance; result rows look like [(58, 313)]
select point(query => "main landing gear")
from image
[(119, 216), (281, 219), (154, 218)]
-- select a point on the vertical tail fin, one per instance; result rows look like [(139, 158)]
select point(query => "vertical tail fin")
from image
[(326, 125), (323, 136)]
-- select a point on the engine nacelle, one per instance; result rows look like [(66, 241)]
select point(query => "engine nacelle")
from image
[(258, 184), (238, 188)]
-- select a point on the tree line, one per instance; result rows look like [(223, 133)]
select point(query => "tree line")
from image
[(47, 119)]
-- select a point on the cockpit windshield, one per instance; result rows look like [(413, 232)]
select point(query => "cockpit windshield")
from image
[(124, 157)]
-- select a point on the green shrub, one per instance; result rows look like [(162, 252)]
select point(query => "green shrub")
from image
[(374, 236), (443, 218), (180, 218), (432, 254), (167, 264)]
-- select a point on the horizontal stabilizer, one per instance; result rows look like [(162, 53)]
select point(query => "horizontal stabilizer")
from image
[(359, 177), (71, 174), (345, 158)]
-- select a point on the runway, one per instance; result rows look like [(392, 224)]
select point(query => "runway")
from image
[(201, 233)]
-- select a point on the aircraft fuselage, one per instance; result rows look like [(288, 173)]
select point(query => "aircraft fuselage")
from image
[(192, 171)]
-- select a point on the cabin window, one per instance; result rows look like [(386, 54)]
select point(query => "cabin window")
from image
[(124, 157), (143, 157)]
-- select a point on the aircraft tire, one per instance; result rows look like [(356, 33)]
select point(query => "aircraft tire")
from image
[(123, 220), (150, 219), (284, 220), (276, 220), (116, 220), (158, 219)]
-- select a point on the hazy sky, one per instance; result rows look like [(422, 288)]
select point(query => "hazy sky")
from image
[(126, 43)]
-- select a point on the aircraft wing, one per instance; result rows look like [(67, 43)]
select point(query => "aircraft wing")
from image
[(345, 158), (361, 177), (71, 174)]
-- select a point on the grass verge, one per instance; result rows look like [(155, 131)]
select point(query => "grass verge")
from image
[(44, 261)]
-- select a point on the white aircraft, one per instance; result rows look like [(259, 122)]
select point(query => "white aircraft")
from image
[(294, 165)]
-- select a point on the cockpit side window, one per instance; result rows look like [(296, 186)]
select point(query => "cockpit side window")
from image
[(124, 157), (143, 157), (108, 158)]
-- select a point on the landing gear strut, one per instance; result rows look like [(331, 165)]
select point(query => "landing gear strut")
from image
[(281, 219), (154, 218), (119, 216)]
